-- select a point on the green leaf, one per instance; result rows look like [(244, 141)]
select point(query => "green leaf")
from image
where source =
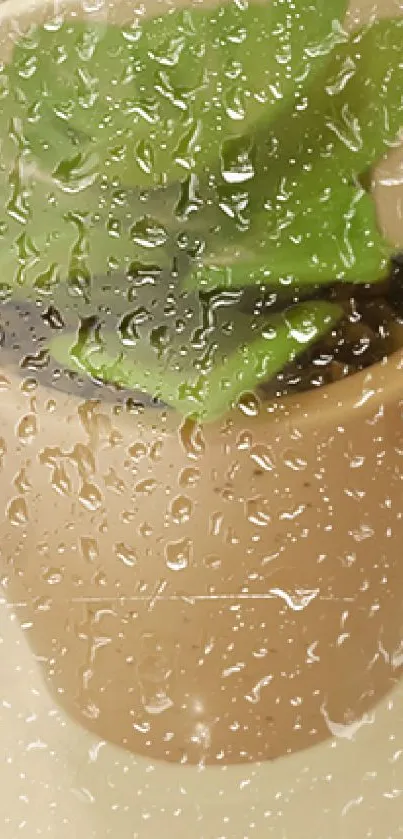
[(154, 101), (205, 394), (316, 229), (357, 116), (45, 232), (307, 221)]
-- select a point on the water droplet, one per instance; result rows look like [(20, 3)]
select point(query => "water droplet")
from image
[(148, 233), (294, 461), (17, 511), (244, 441), (160, 338), (126, 554), (183, 154), (191, 437), (145, 530), (35, 361), (3, 450), (215, 523), (93, 5), (180, 509), (28, 386), (142, 274), (5, 383), (144, 156), (189, 200), (297, 600), (79, 284), (234, 101), (77, 173), (156, 451), (237, 160), (255, 695), (46, 282), (178, 554), (21, 481), (90, 496), (27, 428), (89, 548), (52, 576), (84, 458), (157, 704), (42, 604), (189, 477), (113, 482), (249, 404), (257, 512), (146, 487), (263, 456), (128, 324), (212, 561), (60, 480)]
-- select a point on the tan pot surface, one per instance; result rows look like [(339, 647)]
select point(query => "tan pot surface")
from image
[(220, 595), (60, 781)]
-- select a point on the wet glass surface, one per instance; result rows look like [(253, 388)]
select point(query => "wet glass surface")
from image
[(200, 420)]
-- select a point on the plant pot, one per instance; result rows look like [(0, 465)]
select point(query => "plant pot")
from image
[(219, 594)]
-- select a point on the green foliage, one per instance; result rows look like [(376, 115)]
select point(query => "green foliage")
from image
[(232, 139), (204, 386)]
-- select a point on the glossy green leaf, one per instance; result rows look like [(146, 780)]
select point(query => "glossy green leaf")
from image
[(316, 230), (45, 232), (158, 99), (356, 115), (307, 220), (204, 394)]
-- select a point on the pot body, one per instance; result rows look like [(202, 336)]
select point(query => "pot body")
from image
[(227, 594), (212, 595)]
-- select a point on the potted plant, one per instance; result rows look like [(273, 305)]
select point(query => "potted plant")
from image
[(202, 543)]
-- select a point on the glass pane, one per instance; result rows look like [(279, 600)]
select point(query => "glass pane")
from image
[(201, 329)]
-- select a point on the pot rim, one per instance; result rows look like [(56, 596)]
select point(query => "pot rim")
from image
[(366, 391)]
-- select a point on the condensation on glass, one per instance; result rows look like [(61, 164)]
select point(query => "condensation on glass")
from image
[(200, 592)]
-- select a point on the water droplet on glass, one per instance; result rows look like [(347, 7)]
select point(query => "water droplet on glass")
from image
[(46, 282), (157, 704), (138, 450), (191, 437), (42, 604), (180, 509), (93, 5), (60, 480), (178, 554), (28, 386), (144, 156), (77, 173), (212, 561), (237, 160), (89, 548), (17, 511), (257, 511), (189, 477), (235, 103), (126, 554), (263, 456), (249, 404), (52, 576), (27, 428), (90, 496), (294, 461), (148, 233)]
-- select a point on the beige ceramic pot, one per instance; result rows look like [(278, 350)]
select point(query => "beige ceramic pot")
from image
[(219, 594)]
